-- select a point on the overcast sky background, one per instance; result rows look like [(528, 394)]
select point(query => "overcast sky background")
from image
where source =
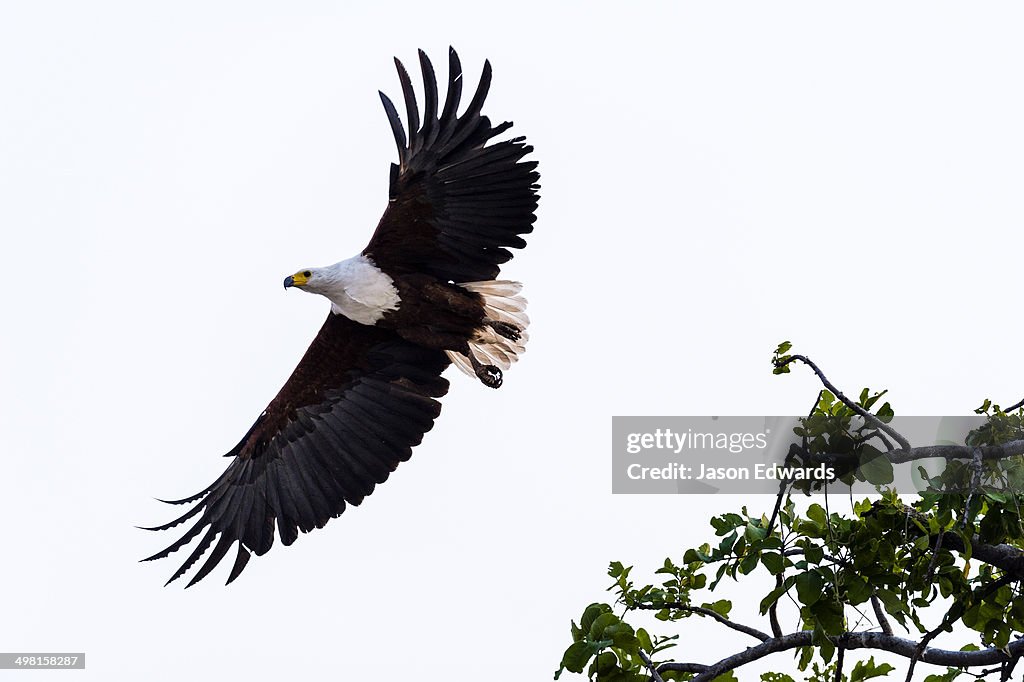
[(717, 177)]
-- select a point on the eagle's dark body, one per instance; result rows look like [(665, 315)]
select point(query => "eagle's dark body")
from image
[(435, 314)]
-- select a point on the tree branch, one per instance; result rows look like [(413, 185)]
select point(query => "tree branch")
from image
[(988, 452), (1007, 558), (851, 640), (883, 621), (1015, 406), (773, 610), (838, 677), (1004, 557), (870, 418), (947, 452), (679, 606), (655, 675)]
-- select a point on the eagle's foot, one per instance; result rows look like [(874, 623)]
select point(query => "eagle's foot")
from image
[(509, 331), (489, 375)]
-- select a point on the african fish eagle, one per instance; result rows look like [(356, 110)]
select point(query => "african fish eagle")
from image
[(423, 294)]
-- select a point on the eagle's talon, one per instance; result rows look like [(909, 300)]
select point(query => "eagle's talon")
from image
[(509, 331), (489, 375)]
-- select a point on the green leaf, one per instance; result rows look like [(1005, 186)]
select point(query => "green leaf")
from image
[(576, 657), (858, 590), (645, 640), (774, 595), (605, 663), (721, 607), (597, 628), (829, 614), (621, 635), (875, 466), (754, 533), (893, 604), (809, 586), (773, 561), (817, 514), (591, 613), (865, 670)]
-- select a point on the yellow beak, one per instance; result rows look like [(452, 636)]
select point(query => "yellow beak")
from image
[(296, 280)]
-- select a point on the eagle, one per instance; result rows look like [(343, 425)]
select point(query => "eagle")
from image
[(422, 295)]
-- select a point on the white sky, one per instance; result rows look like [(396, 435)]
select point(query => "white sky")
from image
[(717, 177)]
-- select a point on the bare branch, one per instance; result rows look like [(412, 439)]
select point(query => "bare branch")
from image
[(852, 640), (988, 452), (679, 606), (875, 433), (1007, 669), (655, 675), (870, 418), (948, 452), (883, 621), (1015, 406), (773, 610)]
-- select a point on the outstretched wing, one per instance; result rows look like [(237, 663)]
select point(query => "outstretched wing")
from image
[(354, 407), (456, 204)]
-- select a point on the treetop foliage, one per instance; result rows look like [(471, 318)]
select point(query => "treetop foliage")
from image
[(950, 557)]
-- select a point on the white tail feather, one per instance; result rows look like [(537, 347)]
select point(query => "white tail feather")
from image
[(502, 303)]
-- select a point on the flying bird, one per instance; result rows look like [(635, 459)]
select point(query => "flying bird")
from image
[(422, 295)]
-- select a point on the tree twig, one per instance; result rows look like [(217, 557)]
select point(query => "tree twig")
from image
[(655, 675), (1015, 406), (883, 620), (679, 606), (870, 418), (838, 677), (773, 610)]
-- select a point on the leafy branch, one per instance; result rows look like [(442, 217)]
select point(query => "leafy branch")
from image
[(959, 545)]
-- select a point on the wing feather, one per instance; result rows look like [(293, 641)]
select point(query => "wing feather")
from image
[(429, 99), (412, 112), (451, 100), (457, 203), (396, 124), (241, 559), (353, 408)]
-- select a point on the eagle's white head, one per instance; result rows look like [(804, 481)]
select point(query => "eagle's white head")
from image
[(310, 279), (358, 289)]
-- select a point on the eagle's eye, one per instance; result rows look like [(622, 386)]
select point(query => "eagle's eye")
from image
[(307, 274)]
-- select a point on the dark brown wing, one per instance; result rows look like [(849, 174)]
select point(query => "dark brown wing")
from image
[(456, 205), (354, 407)]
